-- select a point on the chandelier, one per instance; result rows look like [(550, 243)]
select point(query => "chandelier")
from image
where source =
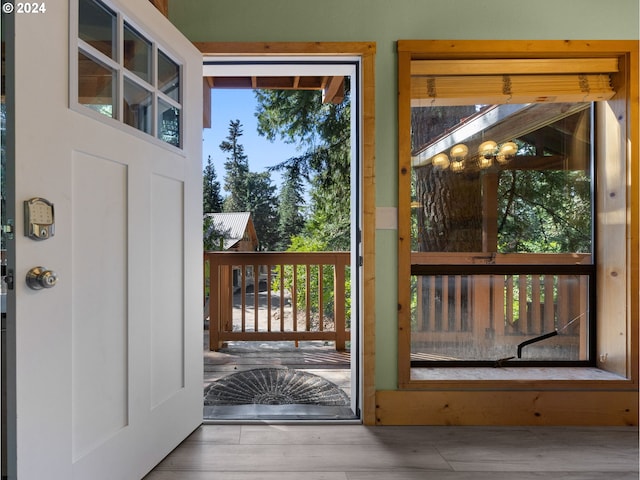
[(488, 153)]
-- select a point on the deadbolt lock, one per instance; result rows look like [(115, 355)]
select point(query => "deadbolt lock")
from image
[(40, 277)]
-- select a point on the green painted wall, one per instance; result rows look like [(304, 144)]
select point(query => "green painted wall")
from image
[(384, 22)]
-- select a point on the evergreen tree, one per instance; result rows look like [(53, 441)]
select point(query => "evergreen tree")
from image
[(249, 191), (211, 197), (290, 204), (299, 116), (237, 170), (262, 205)]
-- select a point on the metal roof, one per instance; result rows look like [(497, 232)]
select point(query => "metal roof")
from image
[(233, 224)]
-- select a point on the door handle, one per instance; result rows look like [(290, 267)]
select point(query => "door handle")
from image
[(40, 277)]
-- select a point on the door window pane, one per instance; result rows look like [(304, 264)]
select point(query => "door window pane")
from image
[(137, 106), (96, 85), (168, 77), (97, 27), (168, 123), (137, 53)]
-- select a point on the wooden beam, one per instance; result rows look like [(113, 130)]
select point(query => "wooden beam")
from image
[(333, 91), (535, 407), (162, 6)]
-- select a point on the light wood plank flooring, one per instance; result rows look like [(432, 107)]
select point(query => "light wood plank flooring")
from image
[(355, 452)]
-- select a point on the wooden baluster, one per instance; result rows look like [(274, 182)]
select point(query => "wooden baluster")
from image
[(522, 304), (307, 297), (269, 297), (243, 297), (549, 302), (535, 312), (457, 311), (431, 323), (499, 299), (294, 299), (281, 297), (563, 302), (256, 299), (509, 303), (214, 304), (445, 303), (320, 297), (339, 303), (584, 316)]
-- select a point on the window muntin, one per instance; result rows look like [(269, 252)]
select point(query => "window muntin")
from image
[(144, 85)]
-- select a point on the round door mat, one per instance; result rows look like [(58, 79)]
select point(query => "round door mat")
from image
[(274, 386)]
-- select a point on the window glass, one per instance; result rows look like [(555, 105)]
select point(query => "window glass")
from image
[(486, 318), (496, 185), (168, 77), (96, 85), (502, 179), (137, 106), (97, 27), (137, 53), (168, 123), (127, 77)]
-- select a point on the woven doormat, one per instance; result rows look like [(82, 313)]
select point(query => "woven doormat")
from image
[(274, 386)]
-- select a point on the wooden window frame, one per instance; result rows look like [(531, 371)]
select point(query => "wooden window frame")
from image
[(617, 339)]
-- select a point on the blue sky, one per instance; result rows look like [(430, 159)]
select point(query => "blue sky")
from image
[(227, 105)]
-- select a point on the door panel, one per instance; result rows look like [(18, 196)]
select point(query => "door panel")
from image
[(107, 374)]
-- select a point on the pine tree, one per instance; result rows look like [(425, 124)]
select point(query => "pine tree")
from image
[(249, 191), (290, 204), (298, 116), (237, 170), (262, 205), (211, 197)]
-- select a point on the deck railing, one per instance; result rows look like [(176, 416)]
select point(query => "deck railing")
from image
[(542, 294), (277, 296)]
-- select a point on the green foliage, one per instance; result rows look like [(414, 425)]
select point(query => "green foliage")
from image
[(307, 244), (211, 197), (323, 130), (213, 236), (236, 170), (544, 211), (290, 205), (249, 191)]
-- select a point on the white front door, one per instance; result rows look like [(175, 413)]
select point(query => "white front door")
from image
[(105, 370)]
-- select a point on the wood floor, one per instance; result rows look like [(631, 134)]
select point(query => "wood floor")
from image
[(355, 452)]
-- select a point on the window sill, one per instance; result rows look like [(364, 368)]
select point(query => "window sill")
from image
[(528, 374)]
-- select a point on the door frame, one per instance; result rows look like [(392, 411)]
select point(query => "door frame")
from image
[(365, 51)]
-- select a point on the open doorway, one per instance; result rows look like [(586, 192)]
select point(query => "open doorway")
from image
[(285, 319)]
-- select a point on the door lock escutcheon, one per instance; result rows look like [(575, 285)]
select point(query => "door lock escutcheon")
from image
[(40, 277)]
